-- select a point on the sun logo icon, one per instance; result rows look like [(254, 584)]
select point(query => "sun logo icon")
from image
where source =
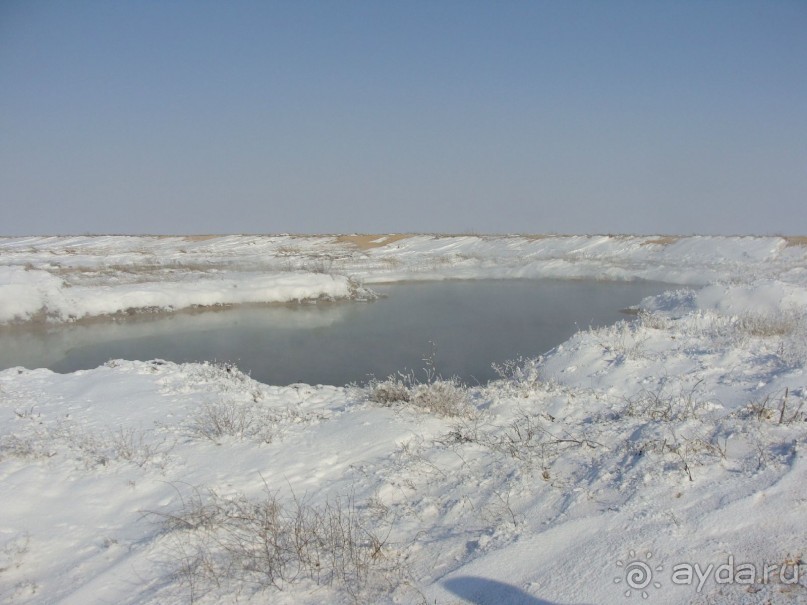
[(638, 574)]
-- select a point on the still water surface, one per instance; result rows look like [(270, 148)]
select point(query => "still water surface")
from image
[(471, 323)]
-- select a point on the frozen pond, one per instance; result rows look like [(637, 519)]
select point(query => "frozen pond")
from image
[(471, 323)]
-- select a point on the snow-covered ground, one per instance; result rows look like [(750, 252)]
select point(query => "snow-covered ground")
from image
[(663, 456)]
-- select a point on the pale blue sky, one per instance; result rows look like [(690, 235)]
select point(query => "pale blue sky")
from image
[(344, 116)]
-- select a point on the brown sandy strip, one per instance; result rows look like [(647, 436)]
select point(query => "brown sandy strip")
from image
[(661, 241), (365, 242), (795, 240)]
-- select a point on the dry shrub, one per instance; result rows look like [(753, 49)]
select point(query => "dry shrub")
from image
[(443, 397), (230, 542)]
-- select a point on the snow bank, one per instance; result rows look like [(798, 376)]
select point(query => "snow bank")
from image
[(28, 294), (762, 297), (24, 293)]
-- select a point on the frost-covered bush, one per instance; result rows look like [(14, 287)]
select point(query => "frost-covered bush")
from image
[(624, 340), (394, 389), (92, 448), (228, 418), (519, 377), (234, 542), (668, 403), (739, 329), (769, 325), (779, 408), (95, 449), (128, 445), (793, 347), (443, 397), (653, 320), (24, 446)]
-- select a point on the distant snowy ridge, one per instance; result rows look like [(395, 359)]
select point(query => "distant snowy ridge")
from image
[(65, 278)]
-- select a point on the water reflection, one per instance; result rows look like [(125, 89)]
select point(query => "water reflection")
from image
[(472, 323), (65, 348)]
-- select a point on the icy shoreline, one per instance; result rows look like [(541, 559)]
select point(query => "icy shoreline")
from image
[(680, 433)]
